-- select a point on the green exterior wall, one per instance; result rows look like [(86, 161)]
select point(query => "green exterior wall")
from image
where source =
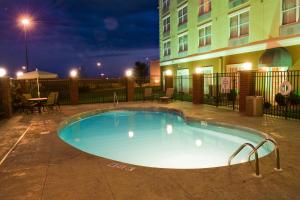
[(264, 25)]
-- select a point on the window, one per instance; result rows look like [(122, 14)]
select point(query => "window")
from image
[(167, 48), (205, 36), (183, 43), (239, 24), (182, 16), (183, 81), (166, 24), (205, 7), (166, 5), (290, 11)]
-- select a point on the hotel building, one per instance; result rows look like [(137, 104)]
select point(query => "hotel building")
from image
[(229, 35)]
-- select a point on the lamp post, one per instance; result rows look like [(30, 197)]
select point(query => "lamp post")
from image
[(26, 22)]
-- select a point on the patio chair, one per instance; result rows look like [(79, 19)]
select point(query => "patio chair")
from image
[(56, 103), (51, 101), (148, 94), (169, 95), (27, 106), (27, 96)]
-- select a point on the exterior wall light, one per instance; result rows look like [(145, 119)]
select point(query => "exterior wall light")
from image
[(3, 72), (199, 70), (169, 72), (247, 66)]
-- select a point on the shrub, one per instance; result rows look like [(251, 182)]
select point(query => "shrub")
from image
[(280, 99), (267, 105), (232, 95), (294, 98)]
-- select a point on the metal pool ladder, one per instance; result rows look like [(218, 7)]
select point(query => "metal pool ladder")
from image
[(116, 99), (254, 151)]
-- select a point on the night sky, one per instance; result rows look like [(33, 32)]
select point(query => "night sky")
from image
[(79, 33)]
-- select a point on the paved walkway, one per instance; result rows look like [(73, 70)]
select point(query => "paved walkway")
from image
[(43, 167)]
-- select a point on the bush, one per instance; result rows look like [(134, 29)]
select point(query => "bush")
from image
[(267, 105), (84, 89), (232, 95), (294, 99), (280, 99)]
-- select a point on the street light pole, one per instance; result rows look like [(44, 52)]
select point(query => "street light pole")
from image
[(26, 23), (26, 49)]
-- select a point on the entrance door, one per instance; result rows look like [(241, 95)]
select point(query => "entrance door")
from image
[(183, 81)]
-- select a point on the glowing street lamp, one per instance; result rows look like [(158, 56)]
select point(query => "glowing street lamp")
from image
[(74, 73), (26, 22), (19, 73), (128, 73), (3, 72)]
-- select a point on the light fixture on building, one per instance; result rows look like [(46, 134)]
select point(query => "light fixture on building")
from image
[(265, 69), (247, 66), (128, 73), (199, 70), (169, 72), (3, 72), (73, 73)]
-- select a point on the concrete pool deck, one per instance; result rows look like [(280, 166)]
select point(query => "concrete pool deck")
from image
[(42, 166)]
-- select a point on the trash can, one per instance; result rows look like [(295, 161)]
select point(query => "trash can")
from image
[(254, 106)]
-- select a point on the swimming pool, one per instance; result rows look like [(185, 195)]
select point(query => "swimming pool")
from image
[(160, 139)]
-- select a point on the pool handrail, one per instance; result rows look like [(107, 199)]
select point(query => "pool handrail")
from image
[(240, 149), (278, 167)]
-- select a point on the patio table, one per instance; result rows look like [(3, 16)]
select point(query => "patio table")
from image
[(39, 102)]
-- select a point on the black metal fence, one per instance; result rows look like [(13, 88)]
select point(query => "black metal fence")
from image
[(268, 85), (1, 103), (101, 90), (222, 89)]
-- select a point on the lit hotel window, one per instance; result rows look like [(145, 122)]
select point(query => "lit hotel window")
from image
[(182, 16), (239, 24), (205, 36), (166, 24), (205, 7), (290, 11), (183, 43)]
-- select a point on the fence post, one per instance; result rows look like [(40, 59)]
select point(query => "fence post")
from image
[(217, 89), (74, 93), (198, 88), (130, 87), (247, 84), (6, 96), (169, 82)]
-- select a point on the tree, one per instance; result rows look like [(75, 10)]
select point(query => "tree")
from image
[(140, 72)]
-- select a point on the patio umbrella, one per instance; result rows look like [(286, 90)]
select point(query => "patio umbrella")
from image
[(37, 75)]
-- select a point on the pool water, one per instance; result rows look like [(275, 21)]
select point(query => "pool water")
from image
[(159, 139)]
